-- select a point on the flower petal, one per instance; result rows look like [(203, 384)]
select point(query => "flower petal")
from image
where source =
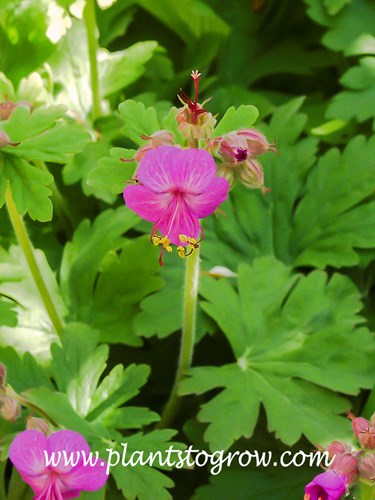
[(178, 219), (205, 203), (169, 169), (27, 453), (146, 203), (87, 478), (70, 444), (326, 485)]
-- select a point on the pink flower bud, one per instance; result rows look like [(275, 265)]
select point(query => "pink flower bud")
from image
[(337, 448), (38, 424), (364, 431), (366, 466), (10, 409), (7, 107), (256, 142), (346, 465)]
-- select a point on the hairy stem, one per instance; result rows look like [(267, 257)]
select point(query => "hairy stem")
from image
[(28, 250), (91, 29), (188, 336)]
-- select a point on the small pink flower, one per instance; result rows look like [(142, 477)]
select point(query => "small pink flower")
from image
[(28, 454), (367, 466), (176, 188), (326, 486), (346, 465), (337, 448)]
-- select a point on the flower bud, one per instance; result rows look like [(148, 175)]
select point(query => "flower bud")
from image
[(364, 431), (38, 424), (346, 465), (366, 466), (7, 107), (256, 143), (10, 409), (337, 448)]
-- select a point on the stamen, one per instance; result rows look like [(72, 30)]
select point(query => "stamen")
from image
[(195, 76), (241, 154)]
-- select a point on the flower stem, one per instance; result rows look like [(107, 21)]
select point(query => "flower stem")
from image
[(91, 29), (27, 248), (188, 336)]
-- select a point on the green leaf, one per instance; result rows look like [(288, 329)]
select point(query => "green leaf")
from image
[(195, 23), (23, 371), (118, 387), (124, 281), (236, 119), (285, 345), (34, 332), (8, 316), (351, 30), (29, 188), (78, 364), (143, 481), (359, 101), (334, 6), (57, 406), (272, 483), (317, 214), (122, 68), (109, 178), (81, 166), (84, 257), (138, 120)]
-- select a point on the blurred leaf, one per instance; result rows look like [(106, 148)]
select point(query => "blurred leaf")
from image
[(24, 43), (351, 31), (334, 6), (119, 69), (195, 23), (356, 103), (286, 358)]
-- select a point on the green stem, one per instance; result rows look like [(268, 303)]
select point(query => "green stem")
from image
[(188, 337), (91, 29), (27, 248), (59, 204)]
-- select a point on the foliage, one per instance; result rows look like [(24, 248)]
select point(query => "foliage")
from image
[(284, 346)]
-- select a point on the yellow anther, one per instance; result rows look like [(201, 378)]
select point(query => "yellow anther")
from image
[(181, 252), (155, 240), (168, 248), (183, 238)]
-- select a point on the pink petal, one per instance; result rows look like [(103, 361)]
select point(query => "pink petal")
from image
[(169, 168), (27, 453), (146, 203), (87, 478), (154, 170), (205, 203), (178, 219), (71, 443)]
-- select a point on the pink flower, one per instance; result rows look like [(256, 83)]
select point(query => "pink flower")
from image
[(160, 138), (28, 453), (326, 486), (176, 188), (364, 431)]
